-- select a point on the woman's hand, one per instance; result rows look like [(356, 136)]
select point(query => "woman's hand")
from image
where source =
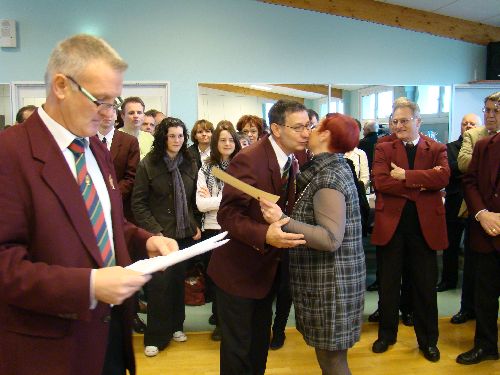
[(204, 192), (271, 211), (197, 236)]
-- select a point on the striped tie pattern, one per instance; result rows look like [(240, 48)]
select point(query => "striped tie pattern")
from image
[(92, 203)]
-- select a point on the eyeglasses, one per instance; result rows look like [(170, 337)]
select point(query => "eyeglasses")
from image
[(491, 110), (173, 136), (402, 121), (300, 128), (101, 106)]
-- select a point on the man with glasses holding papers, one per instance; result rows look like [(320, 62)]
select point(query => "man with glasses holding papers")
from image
[(245, 269), (65, 306)]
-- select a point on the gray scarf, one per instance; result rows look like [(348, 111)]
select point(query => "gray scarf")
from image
[(180, 201), (210, 178)]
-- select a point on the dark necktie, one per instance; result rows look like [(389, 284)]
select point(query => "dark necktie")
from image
[(92, 203), (409, 146), (286, 173), (104, 141)]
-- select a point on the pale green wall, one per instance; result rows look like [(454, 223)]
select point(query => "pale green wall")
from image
[(193, 41)]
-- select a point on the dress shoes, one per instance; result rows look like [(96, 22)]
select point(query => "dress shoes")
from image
[(407, 319), (381, 345), (375, 317), (212, 321), (476, 355), (277, 341), (442, 287), (373, 287), (138, 325), (431, 353), (462, 317), (216, 334)]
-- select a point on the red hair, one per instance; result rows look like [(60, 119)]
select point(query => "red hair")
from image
[(344, 132)]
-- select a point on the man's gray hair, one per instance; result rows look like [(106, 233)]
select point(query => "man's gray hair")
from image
[(495, 97), (371, 126), (403, 102), (71, 56)]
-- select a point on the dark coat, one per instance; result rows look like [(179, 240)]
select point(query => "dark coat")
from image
[(367, 144)]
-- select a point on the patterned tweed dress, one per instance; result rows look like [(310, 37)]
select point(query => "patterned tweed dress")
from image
[(328, 287)]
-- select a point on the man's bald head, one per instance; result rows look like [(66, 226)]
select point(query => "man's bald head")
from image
[(469, 121)]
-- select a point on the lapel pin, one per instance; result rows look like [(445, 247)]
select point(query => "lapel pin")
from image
[(111, 182)]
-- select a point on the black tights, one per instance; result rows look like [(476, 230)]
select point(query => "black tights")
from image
[(333, 362)]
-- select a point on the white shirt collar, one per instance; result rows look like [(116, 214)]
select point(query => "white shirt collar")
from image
[(414, 142), (62, 135), (108, 136), (280, 154)]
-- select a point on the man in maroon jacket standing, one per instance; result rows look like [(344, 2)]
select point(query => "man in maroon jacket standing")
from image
[(482, 195), (245, 269), (64, 305), (409, 173)]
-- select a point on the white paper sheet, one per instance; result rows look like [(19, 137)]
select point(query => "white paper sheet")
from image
[(148, 266)]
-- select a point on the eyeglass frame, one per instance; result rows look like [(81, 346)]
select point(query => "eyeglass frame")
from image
[(491, 110), (402, 121), (104, 106), (309, 127)]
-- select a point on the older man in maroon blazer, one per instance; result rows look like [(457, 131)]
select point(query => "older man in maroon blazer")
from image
[(482, 194), (409, 173), (63, 238), (245, 269)]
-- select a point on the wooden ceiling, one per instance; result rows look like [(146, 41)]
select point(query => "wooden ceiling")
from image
[(401, 17)]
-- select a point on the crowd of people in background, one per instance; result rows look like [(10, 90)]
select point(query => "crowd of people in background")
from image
[(322, 173)]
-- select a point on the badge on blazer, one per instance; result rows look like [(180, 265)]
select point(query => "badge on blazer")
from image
[(111, 182)]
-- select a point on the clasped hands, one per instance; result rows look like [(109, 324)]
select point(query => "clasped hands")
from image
[(490, 221), (275, 236), (113, 285)]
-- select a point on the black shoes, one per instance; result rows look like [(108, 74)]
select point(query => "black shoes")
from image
[(442, 286), (373, 287), (375, 317), (212, 320), (462, 317), (138, 325), (277, 341), (431, 353), (381, 345), (476, 355), (407, 319), (216, 334)]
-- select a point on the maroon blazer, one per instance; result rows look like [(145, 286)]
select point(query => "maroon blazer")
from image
[(246, 266), (47, 251), (482, 190), (422, 185), (126, 155)]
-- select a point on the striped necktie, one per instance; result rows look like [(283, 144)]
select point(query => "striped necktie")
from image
[(92, 203)]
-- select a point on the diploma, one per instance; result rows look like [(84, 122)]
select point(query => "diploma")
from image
[(243, 186), (150, 265)]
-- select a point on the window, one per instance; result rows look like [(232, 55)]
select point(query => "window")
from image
[(434, 100), (336, 106), (376, 103)]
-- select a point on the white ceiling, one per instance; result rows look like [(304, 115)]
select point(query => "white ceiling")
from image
[(484, 11)]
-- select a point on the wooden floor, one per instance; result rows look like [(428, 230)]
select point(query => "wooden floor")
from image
[(200, 355)]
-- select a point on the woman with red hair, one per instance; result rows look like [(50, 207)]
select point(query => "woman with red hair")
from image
[(327, 275), (252, 126)]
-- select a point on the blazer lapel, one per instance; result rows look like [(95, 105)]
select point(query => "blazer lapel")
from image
[(272, 164), (116, 145), (493, 162), (400, 156), (422, 155), (56, 174)]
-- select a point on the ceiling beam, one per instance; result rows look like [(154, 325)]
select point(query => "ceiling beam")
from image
[(402, 17), (250, 92), (316, 88)]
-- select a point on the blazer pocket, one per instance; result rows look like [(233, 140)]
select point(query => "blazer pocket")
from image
[(38, 325)]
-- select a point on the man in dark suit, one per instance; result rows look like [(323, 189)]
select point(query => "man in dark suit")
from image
[(58, 196), (482, 194), (245, 270), (125, 153), (367, 143), (454, 224), (409, 225)]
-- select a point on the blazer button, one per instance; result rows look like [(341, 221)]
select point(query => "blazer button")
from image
[(106, 319)]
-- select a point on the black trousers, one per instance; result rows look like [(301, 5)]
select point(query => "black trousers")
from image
[(166, 309), (422, 264), (114, 362), (487, 291), (455, 228), (283, 295), (245, 327), (468, 277)]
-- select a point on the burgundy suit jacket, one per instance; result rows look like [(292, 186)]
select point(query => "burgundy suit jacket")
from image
[(47, 251), (246, 266), (422, 185), (482, 190), (126, 155)]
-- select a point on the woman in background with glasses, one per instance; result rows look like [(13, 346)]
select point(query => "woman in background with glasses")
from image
[(164, 202), (252, 126)]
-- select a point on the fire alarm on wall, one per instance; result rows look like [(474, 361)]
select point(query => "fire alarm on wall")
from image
[(8, 33)]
